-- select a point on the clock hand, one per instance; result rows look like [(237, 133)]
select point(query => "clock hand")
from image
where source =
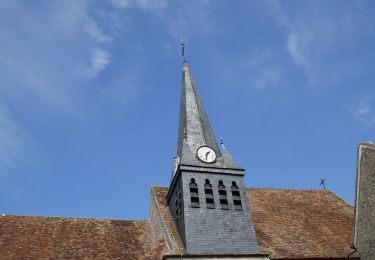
[(207, 154)]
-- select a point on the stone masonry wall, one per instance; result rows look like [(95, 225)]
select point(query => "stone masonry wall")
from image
[(365, 201)]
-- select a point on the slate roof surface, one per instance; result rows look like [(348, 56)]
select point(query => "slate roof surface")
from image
[(289, 224), (29, 237)]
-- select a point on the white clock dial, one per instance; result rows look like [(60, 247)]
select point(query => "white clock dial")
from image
[(206, 154)]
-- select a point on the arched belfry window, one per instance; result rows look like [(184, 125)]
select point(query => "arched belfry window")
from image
[(194, 196), (209, 195), (236, 196), (223, 196)]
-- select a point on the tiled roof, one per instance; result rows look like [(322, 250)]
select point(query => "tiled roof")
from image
[(289, 224), (27, 237), (302, 223), (160, 194), (298, 224)]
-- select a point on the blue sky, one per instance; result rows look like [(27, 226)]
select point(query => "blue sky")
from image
[(89, 96)]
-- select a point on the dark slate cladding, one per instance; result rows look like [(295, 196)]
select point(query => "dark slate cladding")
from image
[(195, 129), (176, 207), (194, 125), (217, 230)]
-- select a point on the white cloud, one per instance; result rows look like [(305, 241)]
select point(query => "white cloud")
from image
[(153, 5), (57, 47), (100, 59), (47, 62), (314, 33), (295, 50), (299, 38), (364, 113), (95, 32)]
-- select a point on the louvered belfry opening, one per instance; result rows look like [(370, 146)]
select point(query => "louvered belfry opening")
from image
[(194, 196), (210, 203), (236, 196), (223, 196)]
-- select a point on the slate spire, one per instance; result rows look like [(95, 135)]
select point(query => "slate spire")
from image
[(194, 127)]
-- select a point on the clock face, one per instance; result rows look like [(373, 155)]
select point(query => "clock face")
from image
[(206, 154)]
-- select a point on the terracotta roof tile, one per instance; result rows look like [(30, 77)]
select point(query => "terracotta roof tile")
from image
[(30, 237), (294, 224), (161, 195), (302, 223)]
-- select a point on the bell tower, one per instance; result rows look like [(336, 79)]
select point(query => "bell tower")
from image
[(207, 198)]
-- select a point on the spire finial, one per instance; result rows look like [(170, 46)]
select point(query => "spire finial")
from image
[(183, 48)]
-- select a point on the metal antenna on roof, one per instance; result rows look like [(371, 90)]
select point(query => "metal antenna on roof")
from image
[(322, 181)]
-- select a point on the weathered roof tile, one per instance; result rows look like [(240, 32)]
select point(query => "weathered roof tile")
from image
[(301, 223), (289, 224), (33, 237)]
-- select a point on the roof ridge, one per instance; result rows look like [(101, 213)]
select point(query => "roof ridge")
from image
[(292, 189), (70, 217), (159, 186), (269, 188)]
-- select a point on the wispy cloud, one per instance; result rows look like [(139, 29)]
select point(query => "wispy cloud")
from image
[(10, 140), (314, 33), (47, 63), (57, 48), (364, 113), (187, 18), (153, 5), (264, 71), (95, 32), (100, 59)]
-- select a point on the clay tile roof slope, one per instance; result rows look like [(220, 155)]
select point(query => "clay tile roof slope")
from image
[(302, 223), (29, 237), (170, 228), (296, 224), (290, 224)]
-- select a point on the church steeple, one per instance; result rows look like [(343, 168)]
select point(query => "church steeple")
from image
[(207, 197)]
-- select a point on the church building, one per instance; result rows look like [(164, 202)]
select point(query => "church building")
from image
[(205, 212)]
